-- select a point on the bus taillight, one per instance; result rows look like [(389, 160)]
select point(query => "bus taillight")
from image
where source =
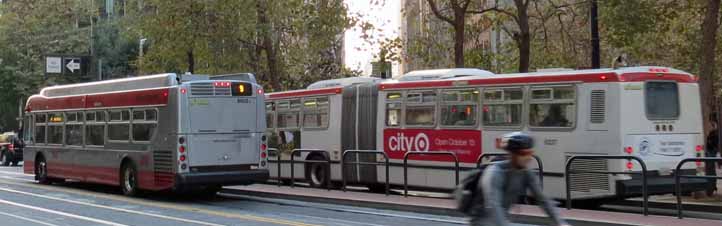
[(182, 158), (182, 149), (630, 165), (628, 150)]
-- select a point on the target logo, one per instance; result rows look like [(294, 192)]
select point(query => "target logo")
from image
[(402, 142)]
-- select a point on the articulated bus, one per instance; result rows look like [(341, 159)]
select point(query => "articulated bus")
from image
[(649, 112), (159, 132)]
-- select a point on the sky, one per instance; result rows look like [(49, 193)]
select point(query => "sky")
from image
[(384, 16)]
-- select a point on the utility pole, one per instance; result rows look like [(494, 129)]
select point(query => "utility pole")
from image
[(595, 34)]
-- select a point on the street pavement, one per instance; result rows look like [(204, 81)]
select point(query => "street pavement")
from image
[(23, 202)]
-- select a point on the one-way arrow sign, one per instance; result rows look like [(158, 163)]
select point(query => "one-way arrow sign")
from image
[(73, 65)]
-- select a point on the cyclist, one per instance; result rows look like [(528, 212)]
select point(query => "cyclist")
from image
[(505, 182)]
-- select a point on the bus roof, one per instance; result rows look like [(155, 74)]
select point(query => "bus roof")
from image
[(469, 76), (114, 85)]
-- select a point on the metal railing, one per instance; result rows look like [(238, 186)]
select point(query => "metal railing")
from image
[(568, 171), (410, 153), (278, 163), (540, 165), (677, 176), (327, 162), (357, 163)]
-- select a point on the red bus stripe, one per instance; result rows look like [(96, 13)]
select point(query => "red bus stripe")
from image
[(119, 99), (301, 93), (640, 77)]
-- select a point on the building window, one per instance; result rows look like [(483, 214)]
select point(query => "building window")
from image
[(393, 109), (503, 107), (315, 113), (421, 108), (144, 124), (119, 126), (459, 107), (74, 129), (95, 128), (553, 107)]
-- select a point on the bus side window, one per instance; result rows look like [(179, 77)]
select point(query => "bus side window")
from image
[(74, 129), (421, 108), (315, 113), (144, 124), (28, 126), (393, 109), (95, 128), (270, 120), (119, 126), (55, 128), (40, 125), (459, 107), (553, 107), (503, 107), (288, 114)]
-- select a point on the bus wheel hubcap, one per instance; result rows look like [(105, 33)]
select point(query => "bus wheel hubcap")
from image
[(41, 169), (129, 180), (318, 175)]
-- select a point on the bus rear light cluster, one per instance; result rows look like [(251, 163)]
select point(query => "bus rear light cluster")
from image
[(264, 150)]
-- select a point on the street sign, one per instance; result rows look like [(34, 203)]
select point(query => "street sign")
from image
[(71, 65), (53, 65)]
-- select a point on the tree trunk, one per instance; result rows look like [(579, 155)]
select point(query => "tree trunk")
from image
[(707, 79), (191, 61), (267, 44), (459, 28), (524, 39)]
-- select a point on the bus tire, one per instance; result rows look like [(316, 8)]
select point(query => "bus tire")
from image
[(41, 171), (5, 158), (129, 179), (316, 173)]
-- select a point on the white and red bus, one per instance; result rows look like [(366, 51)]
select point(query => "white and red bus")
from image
[(626, 111), (158, 132)]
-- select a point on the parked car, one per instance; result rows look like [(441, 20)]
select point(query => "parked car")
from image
[(11, 149)]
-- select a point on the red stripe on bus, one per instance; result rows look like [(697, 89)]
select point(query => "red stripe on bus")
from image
[(147, 180), (301, 93), (586, 78), (640, 77), (119, 99)]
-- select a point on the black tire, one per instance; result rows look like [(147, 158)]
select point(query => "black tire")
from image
[(211, 191), (5, 158), (129, 179), (316, 173), (41, 171)]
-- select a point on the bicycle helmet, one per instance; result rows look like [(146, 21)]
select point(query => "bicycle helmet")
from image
[(516, 141)]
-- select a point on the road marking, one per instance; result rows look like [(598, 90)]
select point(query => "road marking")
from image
[(28, 219), (94, 220), (159, 204), (111, 208)]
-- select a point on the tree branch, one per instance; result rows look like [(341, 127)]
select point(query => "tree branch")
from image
[(438, 13)]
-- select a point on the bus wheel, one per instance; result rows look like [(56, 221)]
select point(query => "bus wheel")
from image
[(41, 171), (316, 173), (5, 158), (129, 180)]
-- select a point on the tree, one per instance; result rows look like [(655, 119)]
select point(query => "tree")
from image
[(707, 80), (457, 19)]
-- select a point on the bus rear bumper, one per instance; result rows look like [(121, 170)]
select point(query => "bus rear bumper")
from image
[(244, 177), (659, 185)]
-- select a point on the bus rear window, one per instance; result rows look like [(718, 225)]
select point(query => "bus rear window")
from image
[(662, 100)]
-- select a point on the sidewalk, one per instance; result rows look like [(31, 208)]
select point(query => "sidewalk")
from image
[(524, 213)]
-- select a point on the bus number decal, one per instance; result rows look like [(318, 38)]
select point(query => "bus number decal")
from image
[(465, 143)]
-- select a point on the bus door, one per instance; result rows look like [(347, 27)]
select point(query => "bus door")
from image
[(223, 129)]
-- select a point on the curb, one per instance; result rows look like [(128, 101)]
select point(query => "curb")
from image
[(526, 219)]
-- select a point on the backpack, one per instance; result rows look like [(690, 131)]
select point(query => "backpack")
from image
[(468, 192)]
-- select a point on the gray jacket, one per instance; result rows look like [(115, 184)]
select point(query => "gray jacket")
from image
[(504, 185)]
